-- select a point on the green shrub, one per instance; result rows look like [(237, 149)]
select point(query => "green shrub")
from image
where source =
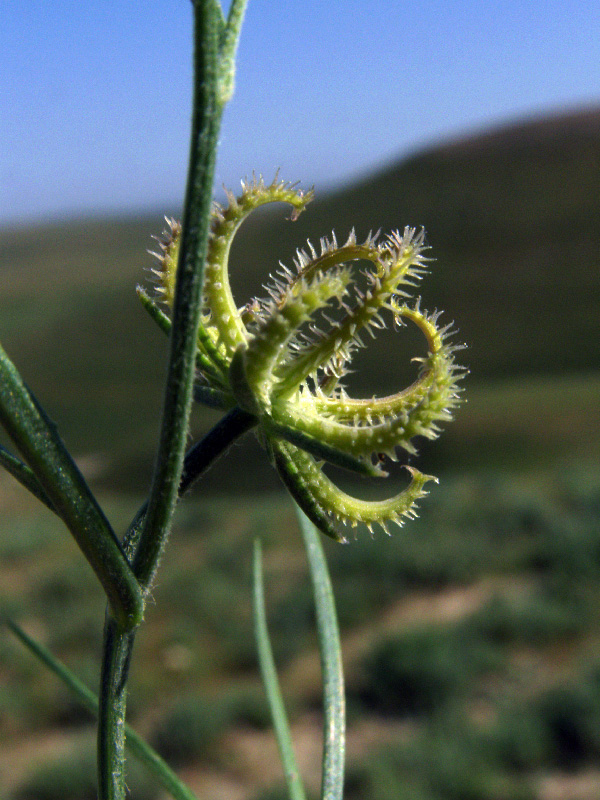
[(571, 718), (380, 779), (418, 672), (570, 548), (536, 619), (559, 729), (455, 769), (188, 732), (447, 759), (247, 707), (520, 740), (433, 556)]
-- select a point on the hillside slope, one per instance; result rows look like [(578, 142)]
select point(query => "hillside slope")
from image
[(513, 219)]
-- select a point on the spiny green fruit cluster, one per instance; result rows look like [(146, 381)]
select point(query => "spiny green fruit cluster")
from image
[(283, 358)]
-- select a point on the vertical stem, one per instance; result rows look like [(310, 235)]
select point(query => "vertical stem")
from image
[(187, 304), (118, 643), (207, 112), (111, 711)]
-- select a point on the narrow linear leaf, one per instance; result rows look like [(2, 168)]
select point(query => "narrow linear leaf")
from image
[(271, 682), (38, 441), (334, 703), (22, 473), (203, 362), (138, 747), (156, 314)]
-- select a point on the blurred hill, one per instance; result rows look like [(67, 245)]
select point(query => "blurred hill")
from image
[(513, 220)]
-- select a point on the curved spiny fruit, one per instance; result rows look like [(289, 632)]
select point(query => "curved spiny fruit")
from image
[(397, 262), (283, 358), (372, 426), (271, 337), (324, 503), (167, 258), (218, 299)]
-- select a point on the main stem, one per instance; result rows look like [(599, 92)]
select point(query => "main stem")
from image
[(118, 644), (188, 295), (116, 655), (207, 112)]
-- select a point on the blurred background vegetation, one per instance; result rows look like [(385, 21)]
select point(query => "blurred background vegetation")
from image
[(471, 636)]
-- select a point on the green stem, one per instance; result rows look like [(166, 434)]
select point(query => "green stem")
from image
[(67, 492), (271, 682), (118, 643), (156, 524), (228, 45), (197, 460), (334, 704), (116, 657), (154, 528), (187, 304)]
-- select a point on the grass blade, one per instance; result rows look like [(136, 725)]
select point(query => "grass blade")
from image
[(271, 682), (334, 703)]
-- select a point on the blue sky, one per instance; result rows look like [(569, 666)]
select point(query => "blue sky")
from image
[(95, 96)]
